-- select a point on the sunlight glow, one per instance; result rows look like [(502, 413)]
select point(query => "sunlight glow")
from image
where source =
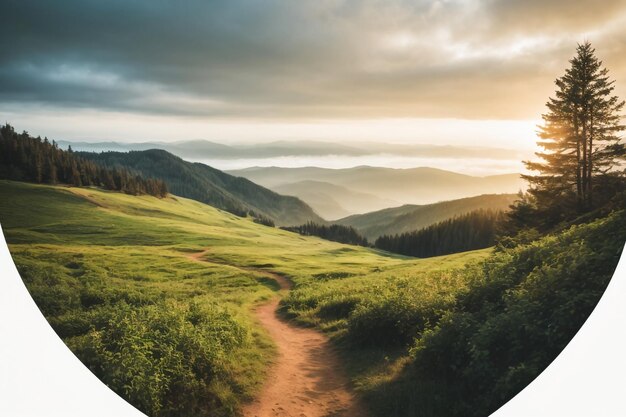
[(93, 126)]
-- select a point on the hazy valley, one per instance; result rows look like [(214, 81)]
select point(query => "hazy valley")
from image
[(332, 193), (332, 190)]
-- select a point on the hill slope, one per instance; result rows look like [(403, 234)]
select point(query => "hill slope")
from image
[(406, 186), (409, 218), (109, 269), (211, 186), (333, 201)]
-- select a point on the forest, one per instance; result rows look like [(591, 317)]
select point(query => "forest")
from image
[(26, 158), (333, 232), (473, 230)]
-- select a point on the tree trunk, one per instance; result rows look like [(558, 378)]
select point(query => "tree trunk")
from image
[(584, 159), (579, 186), (590, 163)]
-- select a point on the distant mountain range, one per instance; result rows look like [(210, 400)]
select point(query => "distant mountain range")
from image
[(332, 194), (325, 193), (333, 201), (362, 189), (211, 186), (410, 217), (204, 149)]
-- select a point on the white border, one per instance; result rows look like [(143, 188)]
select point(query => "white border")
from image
[(39, 376)]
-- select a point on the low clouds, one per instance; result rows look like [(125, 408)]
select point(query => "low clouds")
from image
[(282, 59)]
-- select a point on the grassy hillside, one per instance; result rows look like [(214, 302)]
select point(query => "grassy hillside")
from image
[(406, 186), (211, 186), (120, 280), (115, 277), (460, 343), (409, 218)]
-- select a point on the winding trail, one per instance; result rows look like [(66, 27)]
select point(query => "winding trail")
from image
[(307, 379)]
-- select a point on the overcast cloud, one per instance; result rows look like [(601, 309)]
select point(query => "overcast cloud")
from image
[(300, 59)]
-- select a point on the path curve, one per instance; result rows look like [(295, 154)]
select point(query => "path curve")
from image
[(307, 379)]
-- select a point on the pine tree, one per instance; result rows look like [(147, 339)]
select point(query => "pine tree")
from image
[(162, 189), (580, 138), (26, 158), (50, 169)]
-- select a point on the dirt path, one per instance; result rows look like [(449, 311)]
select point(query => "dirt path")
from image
[(307, 379)]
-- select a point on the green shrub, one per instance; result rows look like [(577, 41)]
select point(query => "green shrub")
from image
[(338, 307), (164, 358), (517, 315), (393, 320)]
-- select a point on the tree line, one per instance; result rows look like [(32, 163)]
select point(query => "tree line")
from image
[(470, 231), (475, 230), (261, 219), (334, 232), (27, 158)]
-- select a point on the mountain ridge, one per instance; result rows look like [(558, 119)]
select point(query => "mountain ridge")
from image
[(211, 186), (411, 217), (202, 148), (333, 201)]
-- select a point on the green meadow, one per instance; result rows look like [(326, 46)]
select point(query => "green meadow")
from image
[(174, 334)]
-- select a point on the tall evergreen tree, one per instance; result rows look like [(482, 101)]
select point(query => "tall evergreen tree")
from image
[(580, 137)]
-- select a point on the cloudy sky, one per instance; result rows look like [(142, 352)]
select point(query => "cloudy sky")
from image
[(444, 72)]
